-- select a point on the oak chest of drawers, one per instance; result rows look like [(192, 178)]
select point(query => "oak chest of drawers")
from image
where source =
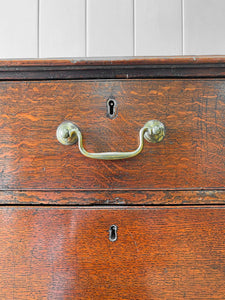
[(112, 226)]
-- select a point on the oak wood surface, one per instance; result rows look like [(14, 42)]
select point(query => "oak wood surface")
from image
[(63, 252), (111, 61), (123, 67), (112, 197), (191, 156), (161, 253)]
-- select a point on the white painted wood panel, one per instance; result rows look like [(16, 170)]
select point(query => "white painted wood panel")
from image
[(18, 28), (62, 28), (109, 27), (158, 25), (69, 28), (204, 27)]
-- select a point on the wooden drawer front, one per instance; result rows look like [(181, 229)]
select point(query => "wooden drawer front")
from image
[(192, 155), (160, 253)]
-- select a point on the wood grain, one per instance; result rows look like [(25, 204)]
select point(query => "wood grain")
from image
[(191, 156), (109, 68), (63, 252), (197, 60), (112, 197), (163, 253)]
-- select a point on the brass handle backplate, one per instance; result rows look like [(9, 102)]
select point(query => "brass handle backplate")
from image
[(68, 134)]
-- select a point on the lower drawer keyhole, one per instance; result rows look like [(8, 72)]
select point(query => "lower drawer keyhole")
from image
[(113, 233)]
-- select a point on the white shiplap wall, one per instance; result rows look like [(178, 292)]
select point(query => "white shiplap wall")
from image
[(98, 28)]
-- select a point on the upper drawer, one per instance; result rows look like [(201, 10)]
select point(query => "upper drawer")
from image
[(192, 154)]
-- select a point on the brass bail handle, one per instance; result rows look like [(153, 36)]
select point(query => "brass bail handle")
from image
[(68, 134)]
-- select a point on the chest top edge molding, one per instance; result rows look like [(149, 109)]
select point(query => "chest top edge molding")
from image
[(113, 68)]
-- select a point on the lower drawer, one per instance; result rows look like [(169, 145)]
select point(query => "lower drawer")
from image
[(65, 253)]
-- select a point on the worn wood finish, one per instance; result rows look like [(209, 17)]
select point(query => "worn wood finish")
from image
[(191, 155), (111, 68), (112, 197), (50, 248), (163, 253), (206, 60)]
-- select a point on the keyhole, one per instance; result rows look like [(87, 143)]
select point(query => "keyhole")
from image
[(113, 233), (111, 108)]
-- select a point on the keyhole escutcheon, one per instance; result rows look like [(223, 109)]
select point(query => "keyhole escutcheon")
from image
[(111, 108), (113, 233)]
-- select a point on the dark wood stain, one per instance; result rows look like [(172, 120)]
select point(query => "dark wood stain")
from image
[(120, 68)]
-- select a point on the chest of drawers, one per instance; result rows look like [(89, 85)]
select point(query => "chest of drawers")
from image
[(146, 227)]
